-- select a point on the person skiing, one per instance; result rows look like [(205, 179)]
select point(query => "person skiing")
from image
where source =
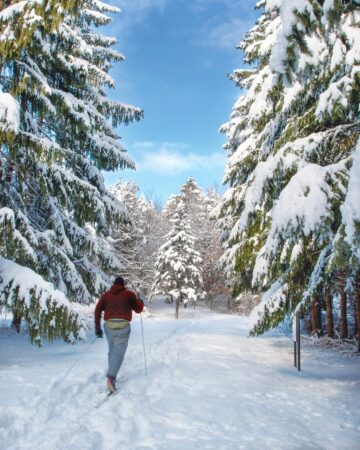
[(117, 304)]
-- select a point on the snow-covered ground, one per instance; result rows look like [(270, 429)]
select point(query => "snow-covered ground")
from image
[(208, 387)]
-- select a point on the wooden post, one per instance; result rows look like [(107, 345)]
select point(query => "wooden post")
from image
[(357, 309), (177, 308), (296, 339)]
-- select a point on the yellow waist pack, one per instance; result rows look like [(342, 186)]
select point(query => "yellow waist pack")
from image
[(116, 324)]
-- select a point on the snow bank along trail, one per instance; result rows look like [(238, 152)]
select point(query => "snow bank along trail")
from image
[(208, 387)]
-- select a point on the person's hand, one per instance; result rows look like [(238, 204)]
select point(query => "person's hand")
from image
[(99, 333)]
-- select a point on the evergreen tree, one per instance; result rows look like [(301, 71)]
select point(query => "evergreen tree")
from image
[(201, 210), (57, 132), (169, 210), (177, 265), (194, 200), (292, 139)]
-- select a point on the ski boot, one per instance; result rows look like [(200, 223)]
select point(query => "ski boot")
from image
[(111, 387)]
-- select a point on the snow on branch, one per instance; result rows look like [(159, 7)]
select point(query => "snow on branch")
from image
[(9, 113), (350, 209), (317, 277), (12, 10), (272, 302), (41, 302), (106, 7)]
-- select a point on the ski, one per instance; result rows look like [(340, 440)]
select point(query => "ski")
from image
[(105, 399)]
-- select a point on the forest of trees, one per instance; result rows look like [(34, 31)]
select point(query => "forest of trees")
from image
[(57, 133), (291, 215), (287, 227), (172, 250)]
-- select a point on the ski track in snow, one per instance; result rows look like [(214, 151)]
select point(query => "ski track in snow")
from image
[(208, 387)]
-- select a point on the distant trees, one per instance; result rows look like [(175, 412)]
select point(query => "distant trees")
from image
[(291, 215), (57, 132), (201, 208), (137, 240), (198, 219), (151, 240), (177, 268)]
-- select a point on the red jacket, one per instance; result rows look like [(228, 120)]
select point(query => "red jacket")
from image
[(117, 303)]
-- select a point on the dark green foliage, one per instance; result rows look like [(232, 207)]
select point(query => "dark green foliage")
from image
[(55, 70), (300, 117)]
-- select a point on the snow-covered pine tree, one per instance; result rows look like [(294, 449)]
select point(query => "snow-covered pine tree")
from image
[(292, 138), (201, 207), (350, 212), (177, 265), (169, 209), (57, 134), (137, 241), (194, 200)]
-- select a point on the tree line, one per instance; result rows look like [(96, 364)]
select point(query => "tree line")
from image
[(172, 250), (57, 133), (289, 219), (291, 215)]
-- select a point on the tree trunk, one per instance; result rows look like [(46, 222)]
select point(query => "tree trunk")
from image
[(357, 309), (319, 308), (343, 313), (316, 315), (177, 308), (329, 314), (16, 322)]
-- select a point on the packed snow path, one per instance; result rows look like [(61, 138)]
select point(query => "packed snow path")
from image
[(208, 387)]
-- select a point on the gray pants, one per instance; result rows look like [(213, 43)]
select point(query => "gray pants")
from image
[(118, 342)]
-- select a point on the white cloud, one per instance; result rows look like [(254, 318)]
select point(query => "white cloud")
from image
[(175, 157)]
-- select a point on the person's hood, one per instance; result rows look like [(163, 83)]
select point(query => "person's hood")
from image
[(116, 288)]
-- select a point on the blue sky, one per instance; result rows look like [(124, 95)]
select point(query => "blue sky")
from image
[(178, 54)]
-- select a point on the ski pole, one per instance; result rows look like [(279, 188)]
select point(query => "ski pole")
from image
[(143, 342), (59, 381)]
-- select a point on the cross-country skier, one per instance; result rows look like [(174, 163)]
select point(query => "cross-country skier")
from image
[(117, 304)]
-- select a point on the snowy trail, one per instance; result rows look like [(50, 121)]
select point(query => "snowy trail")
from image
[(208, 387)]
